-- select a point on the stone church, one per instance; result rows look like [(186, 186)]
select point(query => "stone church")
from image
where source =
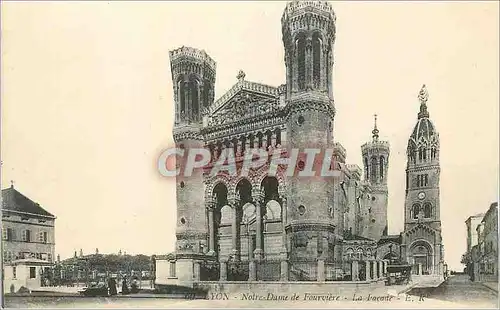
[(259, 227)]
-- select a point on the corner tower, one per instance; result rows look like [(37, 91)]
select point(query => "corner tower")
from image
[(193, 77), (308, 29), (376, 165), (422, 242)]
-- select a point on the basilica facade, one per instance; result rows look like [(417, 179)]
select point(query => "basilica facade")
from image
[(280, 226)]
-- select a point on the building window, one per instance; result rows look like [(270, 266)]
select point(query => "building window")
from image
[(172, 270), (26, 236), (49, 257), (43, 237), (316, 45), (301, 62), (415, 211), (32, 272), (427, 210), (14, 273), (4, 233), (373, 170), (382, 167), (426, 179)]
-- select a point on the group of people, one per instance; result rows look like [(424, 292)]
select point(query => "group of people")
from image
[(113, 287)]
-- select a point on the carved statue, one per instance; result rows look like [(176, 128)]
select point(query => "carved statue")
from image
[(423, 95), (239, 149), (237, 195), (215, 198)]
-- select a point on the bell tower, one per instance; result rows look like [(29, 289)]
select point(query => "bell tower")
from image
[(376, 165), (193, 77), (422, 241), (308, 29)]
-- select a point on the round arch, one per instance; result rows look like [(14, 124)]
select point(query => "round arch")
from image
[(421, 255)]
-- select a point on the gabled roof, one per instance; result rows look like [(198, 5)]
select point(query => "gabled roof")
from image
[(17, 202), (242, 84), (350, 237), (390, 239)]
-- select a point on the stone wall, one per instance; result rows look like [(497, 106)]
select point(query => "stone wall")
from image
[(342, 288)]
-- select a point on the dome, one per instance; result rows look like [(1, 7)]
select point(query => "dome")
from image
[(424, 129)]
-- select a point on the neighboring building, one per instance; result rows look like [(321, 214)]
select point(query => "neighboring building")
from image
[(472, 240), (481, 258), (489, 238), (281, 227), (471, 223), (27, 237)]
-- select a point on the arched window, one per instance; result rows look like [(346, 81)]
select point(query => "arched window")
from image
[(427, 210), (415, 211), (426, 179), (420, 154), (327, 70), (373, 169), (278, 136), (366, 168), (316, 45), (382, 167), (181, 96), (433, 152), (301, 62), (193, 101), (206, 93), (424, 153)]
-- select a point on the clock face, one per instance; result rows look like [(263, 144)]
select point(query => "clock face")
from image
[(421, 195)]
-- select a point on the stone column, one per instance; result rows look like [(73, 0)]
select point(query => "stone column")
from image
[(381, 269), (258, 237), (308, 63), (420, 269), (284, 270), (321, 271), (196, 271), (273, 139), (368, 268), (199, 103), (283, 221), (223, 271), (252, 270), (355, 270), (211, 223), (248, 147), (234, 232)]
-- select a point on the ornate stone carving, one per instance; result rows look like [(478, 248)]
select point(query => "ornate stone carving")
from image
[(423, 95)]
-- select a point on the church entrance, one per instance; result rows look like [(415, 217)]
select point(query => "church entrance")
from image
[(421, 254)]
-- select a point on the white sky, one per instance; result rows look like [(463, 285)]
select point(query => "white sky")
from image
[(87, 103)]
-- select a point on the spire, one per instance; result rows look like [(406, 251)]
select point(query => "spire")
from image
[(423, 96), (375, 129)]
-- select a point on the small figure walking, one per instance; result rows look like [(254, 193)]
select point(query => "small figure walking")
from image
[(125, 290)]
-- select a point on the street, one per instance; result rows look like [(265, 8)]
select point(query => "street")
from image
[(459, 289), (457, 292)]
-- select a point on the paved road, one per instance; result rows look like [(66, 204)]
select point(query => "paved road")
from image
[(459, 289), (457, 292)]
